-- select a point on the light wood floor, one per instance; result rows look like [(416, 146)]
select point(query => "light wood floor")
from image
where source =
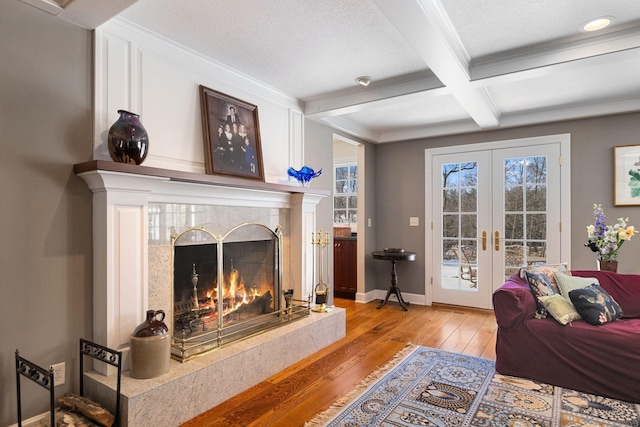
[(296, 394)]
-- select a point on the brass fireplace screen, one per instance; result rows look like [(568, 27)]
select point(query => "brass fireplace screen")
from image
[(227, 288)]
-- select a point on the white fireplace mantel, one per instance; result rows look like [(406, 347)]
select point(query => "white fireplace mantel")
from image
[(121, 194)]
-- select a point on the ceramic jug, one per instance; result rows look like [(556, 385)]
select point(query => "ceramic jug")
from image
[(150, 347)]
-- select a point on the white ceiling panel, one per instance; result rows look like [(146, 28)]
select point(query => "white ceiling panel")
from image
[(490, 26), (576, 86), (413, 112)]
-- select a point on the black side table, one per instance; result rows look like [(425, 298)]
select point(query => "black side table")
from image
[(394, 257)]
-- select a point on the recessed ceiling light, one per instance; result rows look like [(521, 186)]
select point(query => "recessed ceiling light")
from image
[(597, 24), (364, 80)]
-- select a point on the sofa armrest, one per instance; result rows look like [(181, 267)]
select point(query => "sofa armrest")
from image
[(513, 303)]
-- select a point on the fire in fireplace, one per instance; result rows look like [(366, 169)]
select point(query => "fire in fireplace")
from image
[(225, 287)]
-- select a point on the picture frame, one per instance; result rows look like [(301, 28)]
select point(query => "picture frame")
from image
[(627, 175), (231, 133)]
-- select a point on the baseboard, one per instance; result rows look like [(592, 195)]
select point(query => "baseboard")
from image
[(33, 421)]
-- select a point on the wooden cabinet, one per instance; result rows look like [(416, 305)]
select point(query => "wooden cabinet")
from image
[(344, 267)]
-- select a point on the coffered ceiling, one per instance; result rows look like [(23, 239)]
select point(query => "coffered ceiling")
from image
[(438, 67)]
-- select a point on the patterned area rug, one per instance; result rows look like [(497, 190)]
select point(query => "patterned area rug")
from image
[(430, 387)]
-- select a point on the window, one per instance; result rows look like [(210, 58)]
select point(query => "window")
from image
[(345, 199)]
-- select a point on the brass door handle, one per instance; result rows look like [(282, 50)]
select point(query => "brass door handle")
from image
[(496, 240), (484, 240)]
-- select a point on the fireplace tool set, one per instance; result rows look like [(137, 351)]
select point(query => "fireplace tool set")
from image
[(321, 239)]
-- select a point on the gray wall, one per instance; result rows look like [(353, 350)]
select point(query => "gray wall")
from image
[(45, 257), (318, 154), (400, 179), (371, 199)]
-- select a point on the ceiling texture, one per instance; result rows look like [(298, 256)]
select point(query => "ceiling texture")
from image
[(437, 67)]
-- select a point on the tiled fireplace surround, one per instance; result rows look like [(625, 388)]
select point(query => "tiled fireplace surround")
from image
[(132, 273)]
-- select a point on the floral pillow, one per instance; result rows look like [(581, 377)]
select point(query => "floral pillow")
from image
[(595, 305), (548, 269), (541, 286)]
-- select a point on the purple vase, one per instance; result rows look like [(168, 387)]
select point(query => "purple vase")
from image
[(127, 140)]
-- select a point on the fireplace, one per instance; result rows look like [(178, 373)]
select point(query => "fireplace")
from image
[(227, 287), (137, 211)]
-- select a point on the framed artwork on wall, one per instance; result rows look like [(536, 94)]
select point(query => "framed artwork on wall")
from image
[(231, 136), (627, 175)]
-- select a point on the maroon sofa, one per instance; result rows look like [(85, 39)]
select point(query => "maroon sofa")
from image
[(602, 360)]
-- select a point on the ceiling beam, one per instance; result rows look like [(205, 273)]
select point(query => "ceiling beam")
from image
[(88, 14), (426, 27), (550, 54), (351, 127), (379, 94)]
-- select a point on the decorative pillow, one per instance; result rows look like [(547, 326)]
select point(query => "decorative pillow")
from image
[(559, 308), (548, 269), (570, 283), (541, 286), (595, 305)]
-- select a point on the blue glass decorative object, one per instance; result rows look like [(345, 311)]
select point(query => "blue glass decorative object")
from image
[(304, 175)]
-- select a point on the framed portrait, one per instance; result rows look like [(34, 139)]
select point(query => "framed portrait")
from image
[(231, 136), (627, 175)]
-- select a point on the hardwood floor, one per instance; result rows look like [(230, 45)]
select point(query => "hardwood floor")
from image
[(296, 394)]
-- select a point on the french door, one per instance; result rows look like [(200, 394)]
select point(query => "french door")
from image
[(493, 211)]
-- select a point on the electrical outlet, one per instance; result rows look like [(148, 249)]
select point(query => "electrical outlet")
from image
[(58, 374)]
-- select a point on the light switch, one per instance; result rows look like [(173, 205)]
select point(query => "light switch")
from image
[(414, 221)]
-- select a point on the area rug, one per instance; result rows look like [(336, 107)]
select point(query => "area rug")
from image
[(430, 387)]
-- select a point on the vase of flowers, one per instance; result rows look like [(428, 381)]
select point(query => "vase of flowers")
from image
[(607, 240)]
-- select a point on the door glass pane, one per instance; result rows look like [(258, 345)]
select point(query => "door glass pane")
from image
[(468, 226), (513, 199), (469, 199), (513, 226), (513, 171), (536, 226), (450, 226), (536, 170), (469, 174), (536, 197), (459, 186), (450, 200), (525, 216)]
